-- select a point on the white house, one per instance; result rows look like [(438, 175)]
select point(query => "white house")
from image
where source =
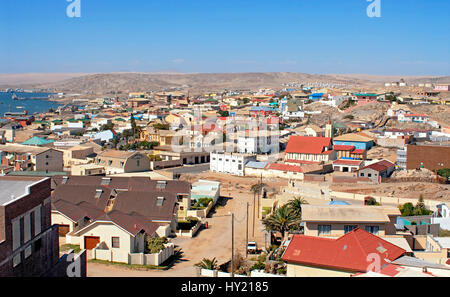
[(416, 118), (229, 162), (258, 142), (334, 101)]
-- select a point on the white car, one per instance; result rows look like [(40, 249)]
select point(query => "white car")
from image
[(252, 247)]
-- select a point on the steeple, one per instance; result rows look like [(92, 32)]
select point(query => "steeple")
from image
[(329, 130)]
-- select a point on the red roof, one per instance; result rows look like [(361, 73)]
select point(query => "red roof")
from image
[(351, 252), (416, 115), (302, 162), (307, 144), (343, 147), (359, 151), (283, 167), (347, 162)]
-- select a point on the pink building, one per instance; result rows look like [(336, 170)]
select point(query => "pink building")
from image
[(444, 88)]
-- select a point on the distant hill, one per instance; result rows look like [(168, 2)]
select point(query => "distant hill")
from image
[(196, 82), (98, 83)]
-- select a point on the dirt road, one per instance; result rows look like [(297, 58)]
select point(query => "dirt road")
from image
[(209, 243)]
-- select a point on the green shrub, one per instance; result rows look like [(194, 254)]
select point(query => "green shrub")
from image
[(258, 266), (155, 244)]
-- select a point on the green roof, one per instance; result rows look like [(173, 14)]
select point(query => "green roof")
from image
[(37, 141), (364, 94)]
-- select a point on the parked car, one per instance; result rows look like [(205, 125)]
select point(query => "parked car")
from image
[(252, 248)]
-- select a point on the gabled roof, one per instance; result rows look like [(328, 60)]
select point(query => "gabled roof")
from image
[(352, 252), (37, 141), (132, 223), (307, 144), (379, 166)]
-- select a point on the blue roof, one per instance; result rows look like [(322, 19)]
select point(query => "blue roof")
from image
[(256, 165), (338, 203), (37, 141), (265, 108)]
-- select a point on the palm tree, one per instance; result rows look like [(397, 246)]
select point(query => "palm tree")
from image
[(208, 264), (282, 220), (296, 204), (257, 188)]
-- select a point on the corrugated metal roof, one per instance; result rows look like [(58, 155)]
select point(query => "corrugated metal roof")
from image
[(256, 165)]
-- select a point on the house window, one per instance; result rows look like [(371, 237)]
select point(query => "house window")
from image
[(98, 193), (115, 242), (160, 201), (348, 228), (362, 174), (324, 229), (369, 174), (373, 229)]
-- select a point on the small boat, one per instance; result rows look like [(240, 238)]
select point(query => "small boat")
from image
[(20, 107)]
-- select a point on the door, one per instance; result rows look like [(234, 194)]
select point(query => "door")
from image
[(63, 230), (91, 242)]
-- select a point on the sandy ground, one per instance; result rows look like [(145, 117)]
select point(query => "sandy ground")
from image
[(430, 191)]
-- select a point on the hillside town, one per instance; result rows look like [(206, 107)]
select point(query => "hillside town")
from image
[(302, 180)]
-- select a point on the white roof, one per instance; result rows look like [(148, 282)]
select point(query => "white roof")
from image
[(12, 190), (444, 242), (400, 242)]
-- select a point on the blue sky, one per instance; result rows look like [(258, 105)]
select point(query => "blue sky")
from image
[(313, 36)]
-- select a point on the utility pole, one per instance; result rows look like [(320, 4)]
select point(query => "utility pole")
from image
[(254, 205), (232, 245), (246, 236), (259, 192)]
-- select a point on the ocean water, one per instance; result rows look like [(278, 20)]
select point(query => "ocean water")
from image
[(31, 105)]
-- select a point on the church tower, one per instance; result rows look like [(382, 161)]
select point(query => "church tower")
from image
[(329, 130)]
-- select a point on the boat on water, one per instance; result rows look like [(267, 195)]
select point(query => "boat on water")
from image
[(20, 107)]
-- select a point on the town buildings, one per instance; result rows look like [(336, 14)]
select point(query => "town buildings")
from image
[(230, 162), (307, 148), (116, 162), (29, 244)]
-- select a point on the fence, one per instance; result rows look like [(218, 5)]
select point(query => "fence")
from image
[(189, 233), (437, 179), (200, 213), (154, 165), (314, 178), (135, 258), (253, 273), (383, 199), (351, 179)]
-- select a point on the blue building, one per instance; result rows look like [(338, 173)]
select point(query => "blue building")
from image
[(315, 96), (358, 141)]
